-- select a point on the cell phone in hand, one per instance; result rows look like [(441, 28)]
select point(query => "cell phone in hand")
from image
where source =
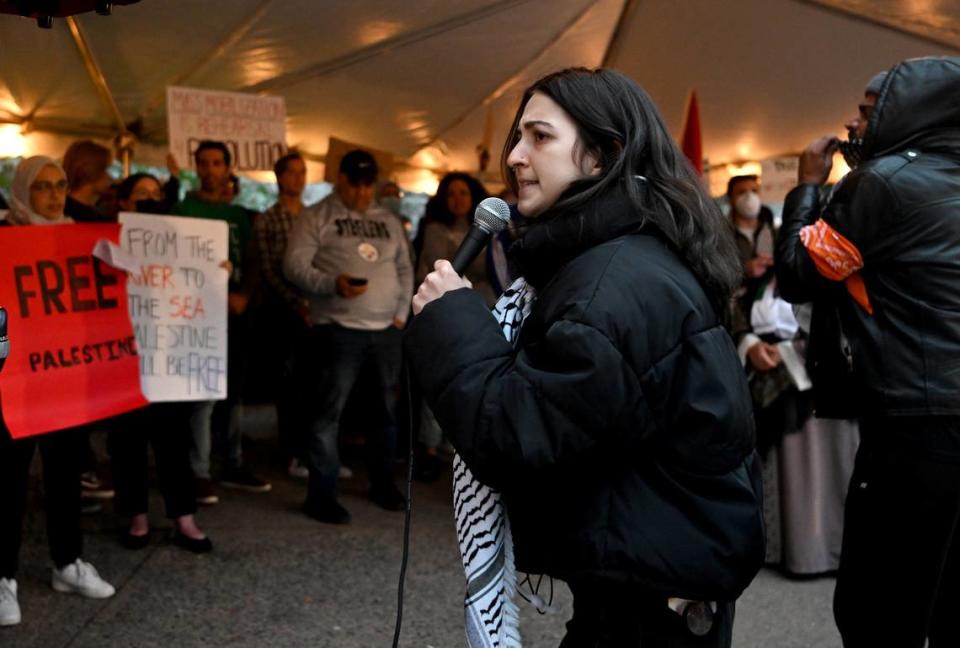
[(357, 281)]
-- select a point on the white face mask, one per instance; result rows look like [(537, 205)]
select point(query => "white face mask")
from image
[(748, 204)]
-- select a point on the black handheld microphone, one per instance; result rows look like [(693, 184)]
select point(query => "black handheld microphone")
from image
[(491, 217), (4, 340)]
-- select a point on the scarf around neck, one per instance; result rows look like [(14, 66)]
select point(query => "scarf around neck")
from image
[(491, 617)]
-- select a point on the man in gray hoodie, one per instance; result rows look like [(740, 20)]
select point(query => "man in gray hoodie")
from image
[(350, 258)]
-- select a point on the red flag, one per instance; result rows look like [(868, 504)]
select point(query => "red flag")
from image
[(691, 142)]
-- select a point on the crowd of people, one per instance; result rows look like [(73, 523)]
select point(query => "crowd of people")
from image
[(328, 286), (619, 424)]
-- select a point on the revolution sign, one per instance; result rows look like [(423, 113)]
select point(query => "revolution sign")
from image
[(254, 128), (73, 356)]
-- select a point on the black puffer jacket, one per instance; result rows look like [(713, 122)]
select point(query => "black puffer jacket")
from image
[(901, 209), (620, 429)]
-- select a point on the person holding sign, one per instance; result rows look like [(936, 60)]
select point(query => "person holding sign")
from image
[(86, 164), (350, 257), (213, 162), (165, 426), (39, 192)]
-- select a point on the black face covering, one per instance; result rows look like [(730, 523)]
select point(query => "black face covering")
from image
[(152, 207), (852, 151)]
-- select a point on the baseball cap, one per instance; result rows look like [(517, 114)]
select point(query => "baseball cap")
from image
[(359, 167)]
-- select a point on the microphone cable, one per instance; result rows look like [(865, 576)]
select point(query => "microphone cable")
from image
[(491, 216), (406, 516)]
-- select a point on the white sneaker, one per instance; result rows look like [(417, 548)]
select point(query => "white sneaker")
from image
[(9, 606), (297, 470), (81, 578)]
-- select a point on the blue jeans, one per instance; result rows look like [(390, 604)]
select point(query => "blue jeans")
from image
[(339, 355), (207, 419)]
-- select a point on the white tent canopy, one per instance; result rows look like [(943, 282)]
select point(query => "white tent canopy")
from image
[(432, 80)]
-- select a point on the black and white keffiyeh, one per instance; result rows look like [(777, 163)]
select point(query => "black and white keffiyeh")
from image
[(483, 529)]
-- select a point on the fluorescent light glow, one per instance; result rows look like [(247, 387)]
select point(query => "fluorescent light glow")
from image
[(12, 141), (839, 169), (376, 31), (744, 168), (418, 181)]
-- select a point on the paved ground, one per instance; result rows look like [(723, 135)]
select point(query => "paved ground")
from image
[(277, 578)]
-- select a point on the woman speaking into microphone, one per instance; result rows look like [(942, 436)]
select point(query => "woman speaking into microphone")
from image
[(617, 424)]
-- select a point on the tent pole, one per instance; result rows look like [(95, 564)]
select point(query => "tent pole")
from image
[(616, 36), (382, 47), (96, 74)]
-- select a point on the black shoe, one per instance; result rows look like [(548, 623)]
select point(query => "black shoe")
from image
[(203, 545), (328, 511), (387, 497), (134, 542), (243, 479)]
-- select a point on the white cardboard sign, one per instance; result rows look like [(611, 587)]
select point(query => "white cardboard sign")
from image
[(778, 177), (177, 295), (253, 127)]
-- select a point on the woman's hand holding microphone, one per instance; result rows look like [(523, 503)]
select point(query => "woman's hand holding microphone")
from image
[(443, 279)]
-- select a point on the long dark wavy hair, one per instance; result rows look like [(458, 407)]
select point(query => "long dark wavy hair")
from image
[(437, 211), (619, 123)]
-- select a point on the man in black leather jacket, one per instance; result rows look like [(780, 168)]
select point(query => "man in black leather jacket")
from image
[(881, 262)]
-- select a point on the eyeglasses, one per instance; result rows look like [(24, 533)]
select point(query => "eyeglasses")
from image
[(44, 186)]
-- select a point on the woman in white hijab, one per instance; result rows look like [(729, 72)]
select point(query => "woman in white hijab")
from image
[(37, 198), (38, 193)]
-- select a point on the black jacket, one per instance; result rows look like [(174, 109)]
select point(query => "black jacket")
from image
[(619, 430), (82, 213), (901, 209)]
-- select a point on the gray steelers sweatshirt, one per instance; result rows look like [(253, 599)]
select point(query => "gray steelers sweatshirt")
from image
[(328, 240)]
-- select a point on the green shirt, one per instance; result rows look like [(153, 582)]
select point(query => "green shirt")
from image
[(234, 216)]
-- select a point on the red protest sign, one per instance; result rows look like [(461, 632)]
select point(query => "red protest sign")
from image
[(73, 358)]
